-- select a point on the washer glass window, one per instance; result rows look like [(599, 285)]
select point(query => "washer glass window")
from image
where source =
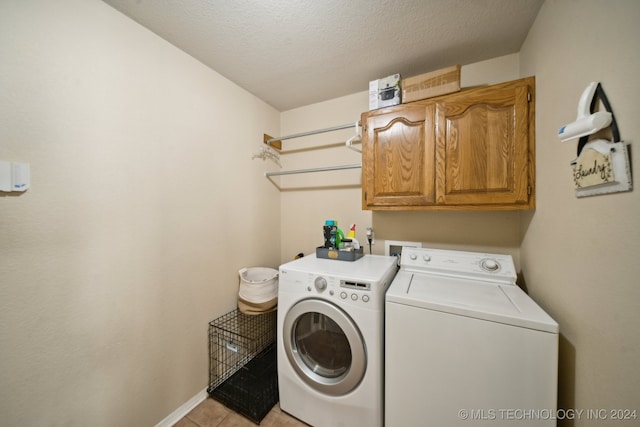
[(322, 345)]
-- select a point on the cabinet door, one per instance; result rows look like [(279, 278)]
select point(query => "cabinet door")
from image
[(483, 146), (398, 154)]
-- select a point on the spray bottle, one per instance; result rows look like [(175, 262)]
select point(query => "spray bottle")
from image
[(352, 236)]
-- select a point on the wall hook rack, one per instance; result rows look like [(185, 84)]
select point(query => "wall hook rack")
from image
[(276, 142)]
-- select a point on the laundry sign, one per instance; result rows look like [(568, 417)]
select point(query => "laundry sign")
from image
[(602, 167), (592, 168)]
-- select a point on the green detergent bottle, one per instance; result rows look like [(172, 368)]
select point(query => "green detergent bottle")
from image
[(339, 237)]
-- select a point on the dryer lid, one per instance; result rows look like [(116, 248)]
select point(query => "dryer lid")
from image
[(497, 302)]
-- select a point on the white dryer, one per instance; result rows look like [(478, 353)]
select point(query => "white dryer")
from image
[(465, 346), (330, 339)]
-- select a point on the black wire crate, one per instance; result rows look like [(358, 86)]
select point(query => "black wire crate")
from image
[(242, 362), (253, 390)]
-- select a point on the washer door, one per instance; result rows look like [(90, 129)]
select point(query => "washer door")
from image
[(324, 346)]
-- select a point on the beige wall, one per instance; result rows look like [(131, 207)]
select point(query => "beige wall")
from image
[(144, 204), (307, 200), (580, 256)]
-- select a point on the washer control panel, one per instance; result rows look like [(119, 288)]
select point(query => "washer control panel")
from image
[(472, 265)]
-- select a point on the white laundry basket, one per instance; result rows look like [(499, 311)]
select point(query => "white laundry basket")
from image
[(258, 292)]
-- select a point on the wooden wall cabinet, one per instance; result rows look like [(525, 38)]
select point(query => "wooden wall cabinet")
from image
[(474, 149)]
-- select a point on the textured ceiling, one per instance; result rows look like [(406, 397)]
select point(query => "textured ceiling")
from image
[(291, 53)]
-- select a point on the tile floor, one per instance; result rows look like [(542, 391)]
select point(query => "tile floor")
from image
[(211, 413)]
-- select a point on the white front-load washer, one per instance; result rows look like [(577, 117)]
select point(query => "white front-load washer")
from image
[(465, 346), (330, 339)]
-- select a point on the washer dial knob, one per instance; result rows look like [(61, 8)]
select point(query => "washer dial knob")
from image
[(320, 283), (489, 264)]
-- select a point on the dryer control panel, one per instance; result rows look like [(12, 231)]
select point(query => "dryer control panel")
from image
[(345, 292), (363, 286), (348, 291), (361, 283)]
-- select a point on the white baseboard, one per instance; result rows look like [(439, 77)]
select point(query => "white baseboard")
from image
[(183, 410)]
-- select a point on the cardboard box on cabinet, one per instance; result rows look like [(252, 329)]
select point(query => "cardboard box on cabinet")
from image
[(428, 85)]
